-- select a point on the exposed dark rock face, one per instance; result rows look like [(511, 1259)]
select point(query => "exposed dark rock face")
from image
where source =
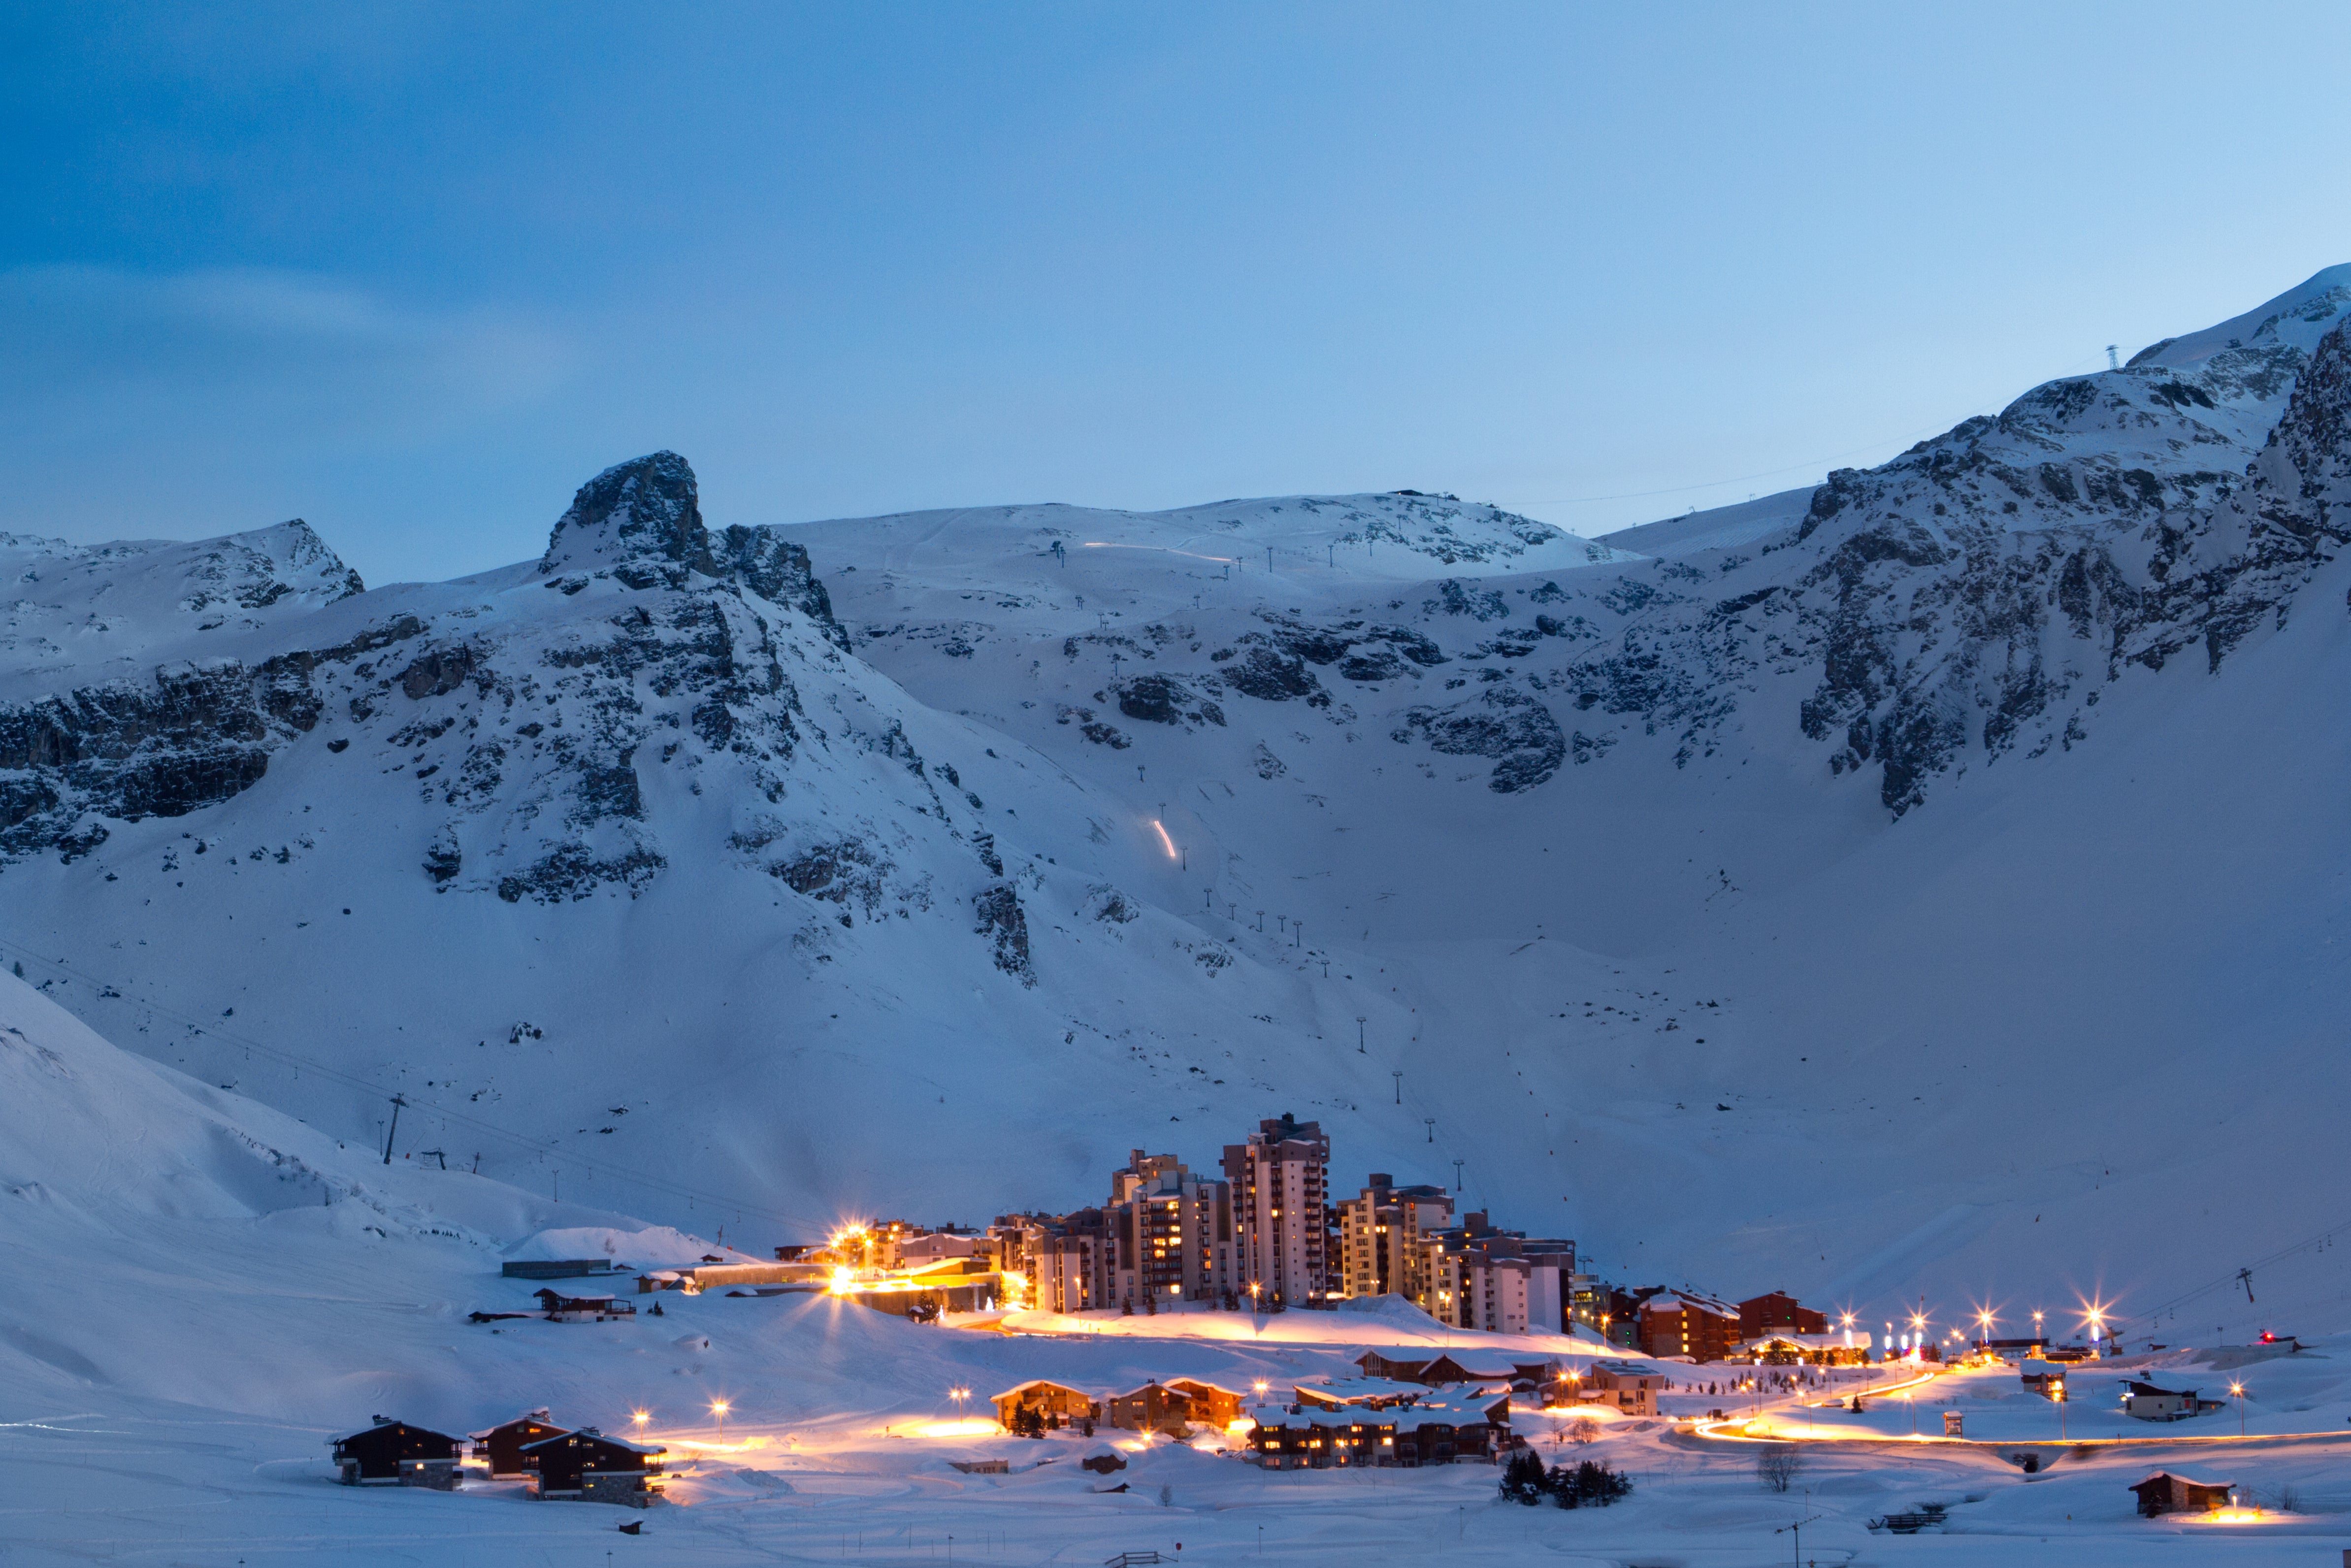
[(1272, 676), (776, 569), (1001, 920), (1500, 722), (572, 871), (642, 521), (1166, 699), (1976, 594)]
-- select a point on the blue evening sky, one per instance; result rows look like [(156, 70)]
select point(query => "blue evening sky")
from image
[(413, 272)]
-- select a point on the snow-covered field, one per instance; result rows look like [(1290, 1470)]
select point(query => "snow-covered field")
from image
[(1931, 883), (203, 1291)]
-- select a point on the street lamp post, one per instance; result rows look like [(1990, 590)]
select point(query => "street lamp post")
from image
[(719, 1407), (2237, 1392)]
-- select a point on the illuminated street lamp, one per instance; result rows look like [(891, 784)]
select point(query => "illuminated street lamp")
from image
[(641, 1417), (958, 1394), (719, 1407), (1984, 1319), (1253, 1291), (2237, 1392)]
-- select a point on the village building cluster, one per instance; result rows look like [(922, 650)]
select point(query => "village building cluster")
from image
[(1267, 1232), (575, 1464)]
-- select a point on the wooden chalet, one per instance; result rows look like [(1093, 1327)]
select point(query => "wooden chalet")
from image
[(1415, 1364), (1364, 1393), (1620, 1385), (2164, 1492), (589, 1467), (563, 1308), (500, 1447), (2047, 1378), (1154, 1407), (1453, 1429), (394, 1454), (1057, 1403), (2150, 1402), (1429, 1431), (1309, 1437), (1211, 1406)]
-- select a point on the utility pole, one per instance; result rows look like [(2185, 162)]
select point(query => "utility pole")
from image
[(1798, 1528), (1457, 1174), (1398, 1075), (397, 1102), (1431, 1122), (1359, 1034)]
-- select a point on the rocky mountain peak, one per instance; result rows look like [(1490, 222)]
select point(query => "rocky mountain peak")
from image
[(642, 521)]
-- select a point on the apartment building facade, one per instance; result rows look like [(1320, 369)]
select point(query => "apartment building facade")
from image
[(1172, 1234), (1380, 1233), (1280, 1186)]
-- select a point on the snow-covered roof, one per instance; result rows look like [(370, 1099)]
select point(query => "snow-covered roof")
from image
[(604, 1438), (539, 1416), (1361, 1390), (1021, 1388)]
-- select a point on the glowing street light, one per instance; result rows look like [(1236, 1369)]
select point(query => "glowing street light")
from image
[(2237, 1392), (958, 1394), (2094, 1314), (1985, 1318), (641, 1417), (719, 1407)]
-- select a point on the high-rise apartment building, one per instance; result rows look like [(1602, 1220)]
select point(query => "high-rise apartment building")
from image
[(1171, 1233), (1481, 1278), (1379, 1237), (1280, 1182)]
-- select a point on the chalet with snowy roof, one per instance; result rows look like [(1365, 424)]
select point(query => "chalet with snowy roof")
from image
[(1154, 1407), (1421, 1365), (2047, 1378), (394, 1454), (586, 1466), (1623, 1387), (2164, 1492), (1683, 1325), (500, 1447), (2146, 1402), (1309, 1436), (1056, 1403), (563, 1308), (1211, 1406), (1778, 1347), (1433, 1429), (1364, 1393)]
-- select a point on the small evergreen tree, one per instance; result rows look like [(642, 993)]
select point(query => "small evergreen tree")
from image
[(1588, 1485), (1523, 1479)]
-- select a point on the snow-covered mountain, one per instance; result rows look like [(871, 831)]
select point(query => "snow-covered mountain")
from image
[(1925, 880)]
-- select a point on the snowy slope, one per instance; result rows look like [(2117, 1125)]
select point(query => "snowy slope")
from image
[(1718, 528), (1854, 910)]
